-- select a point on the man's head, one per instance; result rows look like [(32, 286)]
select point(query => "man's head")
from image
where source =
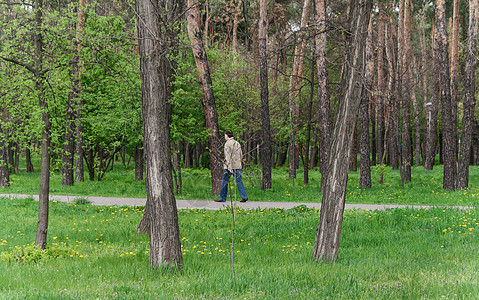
[(228, 134)]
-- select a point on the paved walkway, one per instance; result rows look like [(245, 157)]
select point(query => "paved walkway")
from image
[(210, 204)]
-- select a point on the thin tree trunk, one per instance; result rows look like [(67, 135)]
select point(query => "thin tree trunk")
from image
[(417, 119), (4, 173), (177, 167), (432, 108), (28, 160), (236, 20), (331, 216), (42, 225), (16, 164), (381, 84), (161, 211), (266, 157), (353, 156), (424, 76), (454, 70), (405, 82), (366, 95), (308, 127), (79, 153), (450, 158), (324, 113), (209, 105), (469, 99), (138, 163), (393, 148), (187, 156), (294, 91)]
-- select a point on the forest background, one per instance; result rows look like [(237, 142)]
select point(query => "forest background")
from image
[(84, 82)]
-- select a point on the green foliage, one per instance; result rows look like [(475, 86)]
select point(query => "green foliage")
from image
[(379, 172), (33, 254), (81, 201)]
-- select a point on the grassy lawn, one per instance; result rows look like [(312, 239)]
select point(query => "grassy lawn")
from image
[(425, 187), (393, 254)]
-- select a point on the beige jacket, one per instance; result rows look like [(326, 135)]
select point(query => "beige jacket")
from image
[(233, 155)]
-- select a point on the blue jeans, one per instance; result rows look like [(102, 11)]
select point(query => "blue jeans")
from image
[(239, 184)]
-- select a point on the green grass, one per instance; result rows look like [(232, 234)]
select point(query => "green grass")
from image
[(393, 254), (424, 189)]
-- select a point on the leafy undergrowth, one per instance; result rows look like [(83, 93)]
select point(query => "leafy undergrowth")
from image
[(401, 253)]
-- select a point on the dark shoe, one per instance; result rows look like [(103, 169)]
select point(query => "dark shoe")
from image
[(244, 200), (219, 200)]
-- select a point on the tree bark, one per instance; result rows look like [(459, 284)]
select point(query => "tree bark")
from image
[(42, 225), (424, 76), (405, 81), (266, 157), (209, 105), (381, 86), (417, 119), (364, 150), (4, 173), (393, 147), (155, 67), (469, 98), (306, 164), (353, 154), (454, 69), (187, 156), (237, 14), (294, 90), (139, 163), (331, 216), (79, 153), (433, 107), (450, 158), (28, 160), (324, 113)]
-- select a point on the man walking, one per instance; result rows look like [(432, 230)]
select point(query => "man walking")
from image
[(232, 166)]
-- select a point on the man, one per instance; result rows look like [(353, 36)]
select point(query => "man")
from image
[(232, 166)]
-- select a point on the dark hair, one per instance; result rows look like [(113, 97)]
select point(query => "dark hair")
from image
[(229, 133)]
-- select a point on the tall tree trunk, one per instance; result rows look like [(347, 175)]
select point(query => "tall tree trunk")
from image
[(16, 164), (393, 148), (177, 167), (308, 127), (236, 19), (138, 163), (209, 105), (364, 150), (4, 174), (28, 160), (432, 108), (160, 211), (324, 113), (294, 90), (187, 157), (469, 99), (42, 225), (405, 81), (381, 85), (450, 158), (331, 216), (266, 157), (353, 151), (79, 153), (424, 76), (454, 70), (417, 119)]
